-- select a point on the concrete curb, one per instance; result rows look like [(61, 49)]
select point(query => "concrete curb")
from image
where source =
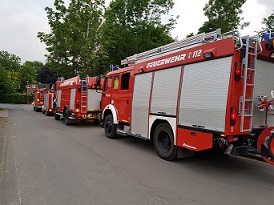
[(3, 130), (3, 142)]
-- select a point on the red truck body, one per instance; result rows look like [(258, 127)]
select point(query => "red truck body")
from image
[(77, 100), (196, 94)]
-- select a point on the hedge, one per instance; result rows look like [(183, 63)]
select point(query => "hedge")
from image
[(16, 98)]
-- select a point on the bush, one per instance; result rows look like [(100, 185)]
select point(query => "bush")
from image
[(16, 98)]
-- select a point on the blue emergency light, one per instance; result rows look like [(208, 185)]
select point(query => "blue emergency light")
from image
[(267, 36), (269, 39), (114, 67)]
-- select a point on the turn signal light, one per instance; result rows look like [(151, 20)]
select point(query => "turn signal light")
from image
[(233, 116), (237, 75)]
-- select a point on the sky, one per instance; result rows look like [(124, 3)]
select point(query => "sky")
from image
[(20, 20)]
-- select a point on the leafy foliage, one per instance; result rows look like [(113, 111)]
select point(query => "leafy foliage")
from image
[(9, 81), (135, 26), (46, 75), (73, 43), (268, 24), (223, 14), (190, 35), (9, 61), (5, 84), (28, 73), (9, 67), (14, 76), (18, 98)]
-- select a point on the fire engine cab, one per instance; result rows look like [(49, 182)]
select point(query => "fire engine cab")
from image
[(77, 99), (208, 91)]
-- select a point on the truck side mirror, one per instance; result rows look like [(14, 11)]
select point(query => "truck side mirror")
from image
[(98, 84), (98, 81)]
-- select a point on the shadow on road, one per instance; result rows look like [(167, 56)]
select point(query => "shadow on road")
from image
[(209, 162)]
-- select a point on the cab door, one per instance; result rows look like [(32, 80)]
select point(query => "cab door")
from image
[(118, 91), (107, 92), (124, 99)]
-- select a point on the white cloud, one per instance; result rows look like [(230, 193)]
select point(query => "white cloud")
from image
[(191, 17), (254, 13)]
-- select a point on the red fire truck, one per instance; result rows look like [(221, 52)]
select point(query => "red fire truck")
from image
[(38, 99), (77, 99), (196, 94), (47, 107)]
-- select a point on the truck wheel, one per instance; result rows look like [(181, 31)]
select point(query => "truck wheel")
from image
[(109, 127), (271, 146), (66, 117), (56, 117), (163, 141)]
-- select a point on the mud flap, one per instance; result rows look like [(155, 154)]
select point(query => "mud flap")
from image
[(265, 145)]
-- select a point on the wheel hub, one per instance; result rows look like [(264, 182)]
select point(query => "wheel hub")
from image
[(164, 141)]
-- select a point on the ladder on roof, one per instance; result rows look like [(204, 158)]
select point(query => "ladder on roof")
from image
[(173, 47), (246, 103), (84, 96)]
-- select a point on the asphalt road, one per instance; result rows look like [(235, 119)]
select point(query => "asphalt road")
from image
[(47, 162)]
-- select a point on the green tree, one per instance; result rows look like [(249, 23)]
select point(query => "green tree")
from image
[(9, 61), (9, 77), (224, 14), (46, 75), (5, 85), (73, 42), (36, 65), (28, 73), (268, 24), (135, 26), (9, 81), (190, 35)]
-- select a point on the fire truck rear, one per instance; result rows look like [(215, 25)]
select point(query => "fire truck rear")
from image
[(38, 99), (210, 91), (77, 99), (47, 107)]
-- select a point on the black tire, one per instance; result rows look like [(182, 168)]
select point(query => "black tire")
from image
[(66, 117), (109, 127), (163, 141), (271, 146), (56, 117)]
